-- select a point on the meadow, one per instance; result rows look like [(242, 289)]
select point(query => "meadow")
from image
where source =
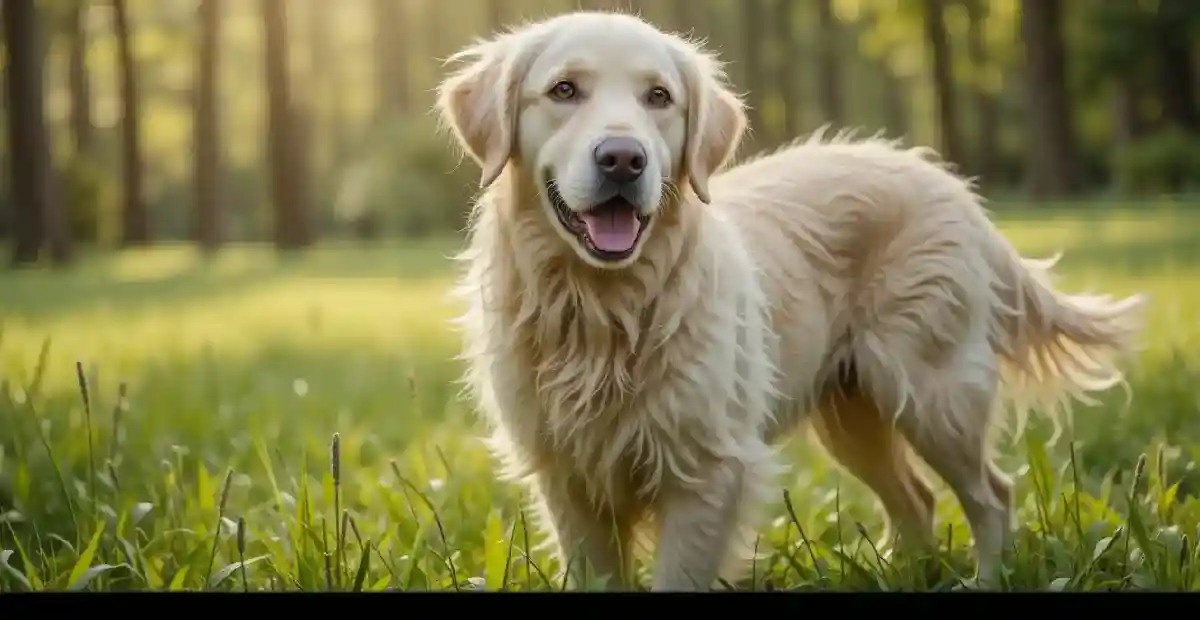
[(265, 423)]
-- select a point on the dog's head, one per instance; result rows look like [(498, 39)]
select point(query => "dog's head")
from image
[(604, 114)]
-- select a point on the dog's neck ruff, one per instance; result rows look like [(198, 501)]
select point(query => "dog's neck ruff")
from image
[(590, 336)]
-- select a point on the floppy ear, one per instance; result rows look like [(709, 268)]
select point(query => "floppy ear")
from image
[(716, 120), (481, 101)]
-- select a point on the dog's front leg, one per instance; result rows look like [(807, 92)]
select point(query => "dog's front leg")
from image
[(591, 540), (698, 521)]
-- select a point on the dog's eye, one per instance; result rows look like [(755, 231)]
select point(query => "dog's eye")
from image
[(564, 90), (658, 97)]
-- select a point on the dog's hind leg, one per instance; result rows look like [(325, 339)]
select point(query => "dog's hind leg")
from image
[(947, 422), (856, 434), (961, 457), (923, 351)]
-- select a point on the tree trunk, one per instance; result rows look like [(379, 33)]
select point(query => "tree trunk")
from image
[(787, 69), (322, 114), (1127, 122), (327, 81), (1126, 115), (135, 220), (943, 80), (496, 15), (895, 102), (1177, 83), (439, 34), (690, 17), (1050, 148), (753, 31), (600, 5), (77, 78), (37, 216), (829, 77), (26, 128), (391, 68), (207, 129), (894, 92), (293, 227), (987, 115), (682, 15)]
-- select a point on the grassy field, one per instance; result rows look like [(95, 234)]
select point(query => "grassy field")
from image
[(195, 453)]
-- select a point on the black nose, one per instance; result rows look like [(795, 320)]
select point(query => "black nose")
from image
[(620, 160)]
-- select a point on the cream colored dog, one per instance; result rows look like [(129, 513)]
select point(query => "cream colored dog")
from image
[(641, 330)]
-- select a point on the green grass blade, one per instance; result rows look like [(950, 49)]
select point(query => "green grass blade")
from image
[(84, 562), (12, 571), (364, 567), (495, 553), (81, 583)]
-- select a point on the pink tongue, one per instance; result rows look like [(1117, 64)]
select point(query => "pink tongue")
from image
[(612, 230)]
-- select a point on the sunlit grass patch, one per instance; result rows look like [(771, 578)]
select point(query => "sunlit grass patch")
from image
[(211, 468)]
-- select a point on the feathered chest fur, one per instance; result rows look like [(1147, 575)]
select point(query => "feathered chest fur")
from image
[(637, 378)]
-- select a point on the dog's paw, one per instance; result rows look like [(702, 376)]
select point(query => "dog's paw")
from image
[(976, 584), (967, 585)]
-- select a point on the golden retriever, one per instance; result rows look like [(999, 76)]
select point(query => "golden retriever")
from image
[(642, 331)]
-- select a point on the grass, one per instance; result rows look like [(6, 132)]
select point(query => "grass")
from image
[(256, 423)]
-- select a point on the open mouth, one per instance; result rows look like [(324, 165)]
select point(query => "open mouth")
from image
[(609, 231)]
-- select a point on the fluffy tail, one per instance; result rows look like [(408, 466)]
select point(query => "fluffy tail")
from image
[(1057, 347)]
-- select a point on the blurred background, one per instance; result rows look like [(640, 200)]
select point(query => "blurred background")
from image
[(225, 231), (301, 120)]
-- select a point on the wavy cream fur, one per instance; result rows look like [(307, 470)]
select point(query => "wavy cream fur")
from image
[(851, 279)]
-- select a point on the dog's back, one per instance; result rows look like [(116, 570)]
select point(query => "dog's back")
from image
[(848, 230), (901, 312)]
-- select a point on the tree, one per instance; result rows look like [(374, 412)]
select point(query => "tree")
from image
[(787, 75), (208, 220), (987, 114), (689, 16), (135, 219), (895, 102), (1175, 23), (391, 58), (1115, 55), (600, 5), (328, 136), (38, 217), (753, 30), (77, 78), (1051, 152), (943, 80), (879, 53), (829, 70), (496, 15), (289, 191)]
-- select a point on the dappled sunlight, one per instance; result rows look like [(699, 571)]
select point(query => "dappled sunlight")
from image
[(309, 314), (336, 300), (157, 264), (251, 363), (149, 308), (1042, 234), (1123, 252), (227, 354)]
